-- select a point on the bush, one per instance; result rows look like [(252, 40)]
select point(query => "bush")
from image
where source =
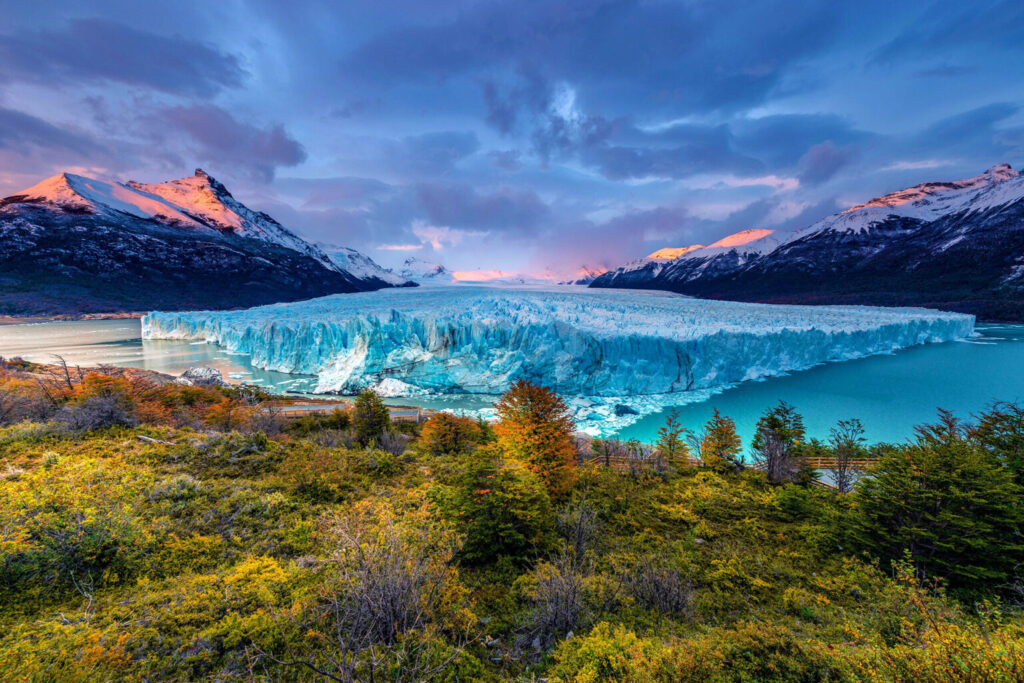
[(318, 474), (615, 654), (447, 434), (393, 603), (948, 504), (230, 455), (370, 417), (70, 525), (96, 412), (657, 585), (501, 508), (337, 419)]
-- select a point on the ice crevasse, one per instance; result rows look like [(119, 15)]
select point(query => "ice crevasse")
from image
[(581, 342)]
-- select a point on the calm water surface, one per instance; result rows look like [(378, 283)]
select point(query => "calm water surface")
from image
[(890, 394)]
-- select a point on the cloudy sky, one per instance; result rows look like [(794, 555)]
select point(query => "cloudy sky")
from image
[(530, 136)]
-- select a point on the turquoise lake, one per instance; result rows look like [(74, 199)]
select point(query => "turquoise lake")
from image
[(889, 394)]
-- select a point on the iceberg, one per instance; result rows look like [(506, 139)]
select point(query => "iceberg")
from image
[(597, 347)]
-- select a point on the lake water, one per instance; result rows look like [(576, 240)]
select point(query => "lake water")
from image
[(889, 394)]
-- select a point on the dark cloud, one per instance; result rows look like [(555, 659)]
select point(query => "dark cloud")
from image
[(20, 131), (89, 50), (217, 138), (968, 126), (498, 120), (461, 206), (506, 159), (948, 27), (686, 56), (947, 71), (432, 153), (780, 141), (822, 161)]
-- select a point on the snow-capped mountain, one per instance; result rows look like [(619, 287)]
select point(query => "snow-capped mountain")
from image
[(74, 244), (362, 266), (425, 272), (584, 276), (956, 245)]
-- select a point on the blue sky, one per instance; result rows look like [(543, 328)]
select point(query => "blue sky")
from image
[(522, 136)]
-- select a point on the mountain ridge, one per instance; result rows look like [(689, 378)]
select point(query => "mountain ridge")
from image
[(75, 244), (955, 245)]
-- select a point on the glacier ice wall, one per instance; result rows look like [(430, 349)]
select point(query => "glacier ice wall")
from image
[(582, 342)]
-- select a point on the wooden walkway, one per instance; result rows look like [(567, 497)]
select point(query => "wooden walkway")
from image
[(294, 411)]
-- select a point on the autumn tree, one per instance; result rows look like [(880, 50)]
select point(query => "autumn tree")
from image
[(370, 417), (719, 445), (672, 441), (447, 434), (535, 428)]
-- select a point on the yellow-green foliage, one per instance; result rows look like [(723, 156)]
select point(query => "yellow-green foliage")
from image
[(70, 522), (236, 557)]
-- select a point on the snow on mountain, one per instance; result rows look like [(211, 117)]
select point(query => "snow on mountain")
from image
[(950, 244), (926, 202), (584, 276), (602, 348), (361, 265), (425, 272), (669, 253), (72, 244), (198, 202)]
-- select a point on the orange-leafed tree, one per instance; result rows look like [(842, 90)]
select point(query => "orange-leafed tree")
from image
[(447, 434), (720, 444), (535, 428)]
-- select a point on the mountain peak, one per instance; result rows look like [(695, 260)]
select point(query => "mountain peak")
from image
[(1001, 172)]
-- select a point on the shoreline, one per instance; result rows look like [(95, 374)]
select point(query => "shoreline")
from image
[(68, 317)]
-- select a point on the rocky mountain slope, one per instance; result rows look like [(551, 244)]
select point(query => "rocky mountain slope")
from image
[(952, 245), (364, 267), (73, 244), (426, 272)]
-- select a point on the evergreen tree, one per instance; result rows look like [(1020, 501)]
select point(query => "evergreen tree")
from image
[(672, 441), (370, 417), (720, 444), (1000, 431), (535, 428), (501, 508), (779, 432), (947, 504)]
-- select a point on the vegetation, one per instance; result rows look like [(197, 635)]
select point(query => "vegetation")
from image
[(143, 539)]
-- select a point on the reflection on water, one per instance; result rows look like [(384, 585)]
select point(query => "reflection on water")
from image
[(890, 394), (120, 342)]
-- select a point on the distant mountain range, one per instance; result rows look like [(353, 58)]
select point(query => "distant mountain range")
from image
[(951, 245), (426, 272), (73, 244)]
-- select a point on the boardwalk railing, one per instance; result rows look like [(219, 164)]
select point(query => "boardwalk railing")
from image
[(627, 462), (828, 463), (294, 411)]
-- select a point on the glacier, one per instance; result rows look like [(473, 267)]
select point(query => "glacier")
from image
[(600, 348)]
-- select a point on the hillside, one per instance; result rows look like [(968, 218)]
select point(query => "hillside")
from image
[(72, 244), (156, 532), (950, 245)]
